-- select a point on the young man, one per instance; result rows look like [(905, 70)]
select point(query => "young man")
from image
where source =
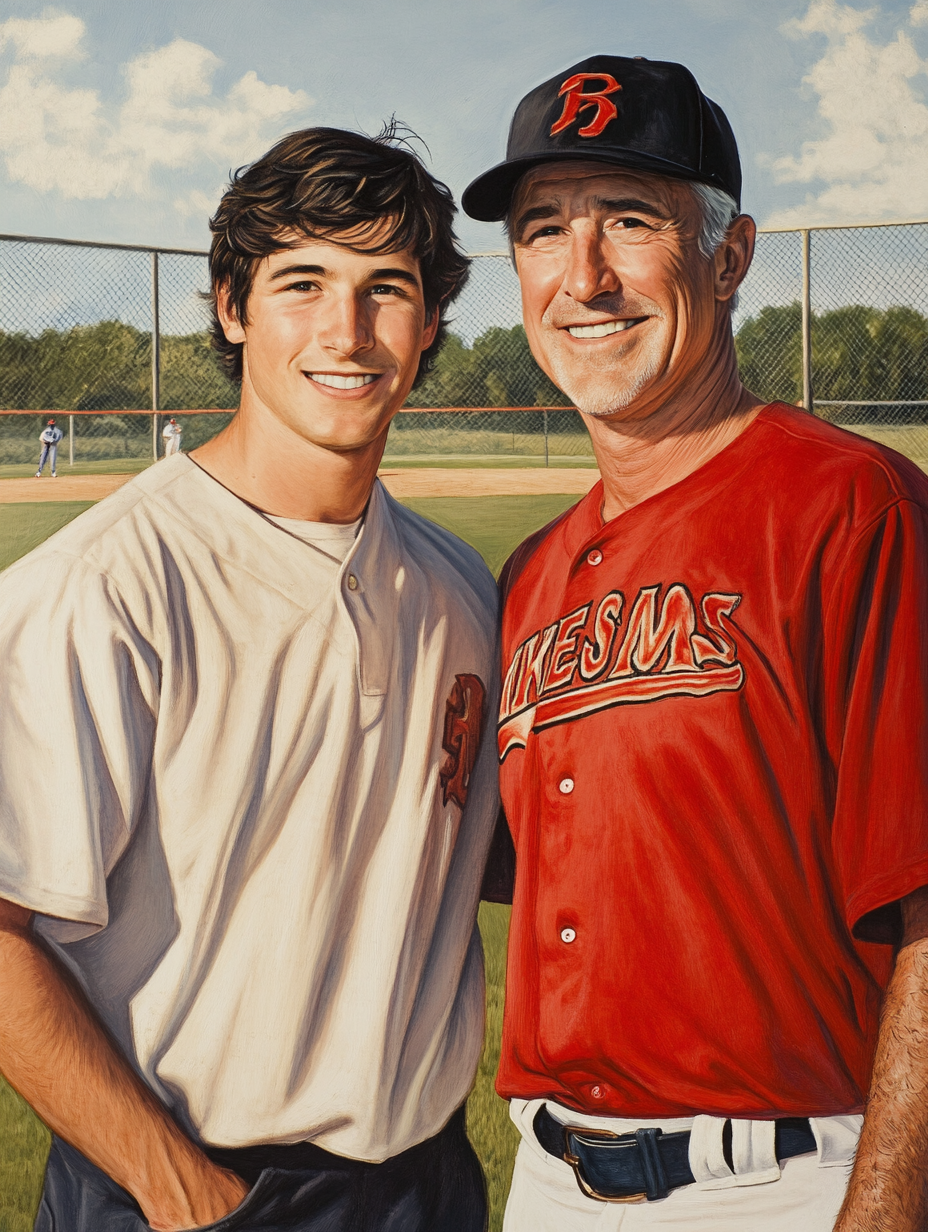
[(713, 723), (245, 799)]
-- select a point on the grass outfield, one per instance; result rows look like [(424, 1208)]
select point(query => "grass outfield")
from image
[(494, 525)]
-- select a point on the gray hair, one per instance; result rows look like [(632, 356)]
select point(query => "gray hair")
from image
[(719, 211)]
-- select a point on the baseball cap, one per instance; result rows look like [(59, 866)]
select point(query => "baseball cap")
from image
[(649, 115)]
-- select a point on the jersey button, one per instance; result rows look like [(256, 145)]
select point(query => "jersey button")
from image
[(565, 786), (595, 557), (568, 935), (352, 582), (597, 1092)]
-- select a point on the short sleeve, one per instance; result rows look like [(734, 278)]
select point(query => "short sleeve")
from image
[(876, 683), (77, 702)]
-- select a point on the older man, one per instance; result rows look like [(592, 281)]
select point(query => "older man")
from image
[(713, 727)]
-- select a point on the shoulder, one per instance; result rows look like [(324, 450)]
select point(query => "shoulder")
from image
[(442, 554), (112, 530), (821, 461)]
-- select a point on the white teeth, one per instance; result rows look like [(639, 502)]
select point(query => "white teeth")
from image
[(342, 382), (598, 331)]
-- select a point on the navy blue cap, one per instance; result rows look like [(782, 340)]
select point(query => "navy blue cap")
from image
[(649, 115)]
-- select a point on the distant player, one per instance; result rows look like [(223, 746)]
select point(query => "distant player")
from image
[(245, 796), (714, 723), (51, 435), (172, 434)]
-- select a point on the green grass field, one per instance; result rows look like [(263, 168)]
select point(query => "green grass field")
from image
[(494, 525)]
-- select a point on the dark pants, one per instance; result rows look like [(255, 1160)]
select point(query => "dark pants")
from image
[(436, 1186)]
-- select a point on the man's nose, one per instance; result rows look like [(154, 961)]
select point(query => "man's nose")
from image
[(589, 271), (346, 328)]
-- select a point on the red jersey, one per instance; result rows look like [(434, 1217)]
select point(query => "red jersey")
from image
[(714, 766)]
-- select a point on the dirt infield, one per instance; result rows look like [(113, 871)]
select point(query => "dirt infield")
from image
[(399, 482)]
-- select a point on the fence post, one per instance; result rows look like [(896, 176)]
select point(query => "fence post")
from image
[(71, 439), (806, 322), (546, 437), (155, 355)]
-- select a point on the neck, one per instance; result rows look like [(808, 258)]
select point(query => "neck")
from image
[(268, 465), (641, 454)]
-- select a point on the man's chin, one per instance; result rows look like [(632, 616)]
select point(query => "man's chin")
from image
[(603, 398)]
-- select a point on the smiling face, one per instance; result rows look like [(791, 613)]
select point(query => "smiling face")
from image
[(333, 339), (621, 308)]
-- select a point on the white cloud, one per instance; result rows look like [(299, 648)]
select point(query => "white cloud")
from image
[(54, 35), (873, 158), (57, 138)]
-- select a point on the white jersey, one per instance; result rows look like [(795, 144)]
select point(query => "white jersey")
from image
[(235, 782), (170, 430), (51, 436)]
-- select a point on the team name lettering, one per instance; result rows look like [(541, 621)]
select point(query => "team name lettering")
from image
[(592, 659), (576, 101)]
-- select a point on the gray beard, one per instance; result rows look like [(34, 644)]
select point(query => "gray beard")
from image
[(601, 402)]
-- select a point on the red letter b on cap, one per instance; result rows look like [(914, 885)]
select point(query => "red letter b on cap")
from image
[(576, 100)]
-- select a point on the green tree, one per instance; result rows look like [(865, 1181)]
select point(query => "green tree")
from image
[(498, 370), (769, 349)]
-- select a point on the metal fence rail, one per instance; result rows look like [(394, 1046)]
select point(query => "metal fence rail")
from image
[(115, 336)]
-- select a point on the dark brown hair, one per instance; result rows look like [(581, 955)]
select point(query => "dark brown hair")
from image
[(319, 183)]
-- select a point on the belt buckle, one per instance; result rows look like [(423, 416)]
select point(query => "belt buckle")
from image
[(585, 1187)]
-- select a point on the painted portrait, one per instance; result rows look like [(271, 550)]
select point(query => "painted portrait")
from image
[(463, 573)]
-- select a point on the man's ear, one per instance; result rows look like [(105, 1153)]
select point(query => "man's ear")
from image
[(228, 317), (733, 256), (431, 328)]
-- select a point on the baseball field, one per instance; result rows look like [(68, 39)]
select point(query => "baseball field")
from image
[(496, 512)]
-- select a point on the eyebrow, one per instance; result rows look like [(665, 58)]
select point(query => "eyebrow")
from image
[(377, 275), (617, 205)]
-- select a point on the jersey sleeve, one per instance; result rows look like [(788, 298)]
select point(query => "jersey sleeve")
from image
[(77, 703), (876, 680)]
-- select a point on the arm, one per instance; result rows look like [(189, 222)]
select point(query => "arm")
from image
[(59, 1057), (888, 1190)]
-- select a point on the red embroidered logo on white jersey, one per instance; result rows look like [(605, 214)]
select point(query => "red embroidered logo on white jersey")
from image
[(461, 737), (588, 661)]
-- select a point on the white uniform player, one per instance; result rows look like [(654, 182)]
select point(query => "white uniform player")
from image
[(49, 438), (172, 434), (244, 794)]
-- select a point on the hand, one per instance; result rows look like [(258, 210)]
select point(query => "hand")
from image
[(209, 1196)]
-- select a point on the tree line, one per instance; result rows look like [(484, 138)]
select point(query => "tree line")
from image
[(858, 353)]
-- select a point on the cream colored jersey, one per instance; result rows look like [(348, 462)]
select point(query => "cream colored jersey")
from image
[(240, 784)]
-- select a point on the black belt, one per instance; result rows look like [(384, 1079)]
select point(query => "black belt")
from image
[(648, 1163)]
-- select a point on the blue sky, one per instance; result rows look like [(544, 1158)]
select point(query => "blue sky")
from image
[(120, 121)]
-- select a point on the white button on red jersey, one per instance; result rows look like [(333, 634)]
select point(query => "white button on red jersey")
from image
[(568, 935), (595, 557), (565, 786)]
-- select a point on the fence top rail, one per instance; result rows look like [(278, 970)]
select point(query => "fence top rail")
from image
[(44, 239), (842, 226), (56, 412)]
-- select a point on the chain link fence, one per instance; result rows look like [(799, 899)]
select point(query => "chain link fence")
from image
[(111, 339)]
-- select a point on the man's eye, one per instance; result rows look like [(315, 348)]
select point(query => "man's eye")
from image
[(629, 223), (301, 286), (387, 288), (542, 233)]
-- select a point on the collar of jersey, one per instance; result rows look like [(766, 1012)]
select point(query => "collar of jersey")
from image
[(241, 536)]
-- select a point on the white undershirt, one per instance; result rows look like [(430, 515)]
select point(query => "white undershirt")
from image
[(335, 539)]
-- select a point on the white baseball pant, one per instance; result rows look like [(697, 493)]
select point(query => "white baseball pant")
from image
[(803, 1194)]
